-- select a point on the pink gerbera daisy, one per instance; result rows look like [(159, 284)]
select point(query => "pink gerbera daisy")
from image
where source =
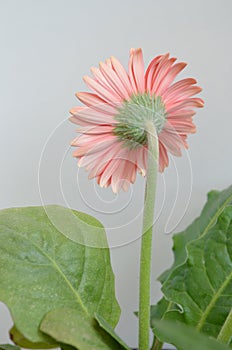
[(112, 144)]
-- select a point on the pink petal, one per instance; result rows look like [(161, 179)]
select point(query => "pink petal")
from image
[(105, 156), (130, 166), (108, 183), (87, 115), (99, 77), (125, 185), (111, 168), (182, 126), (116, 169), (136, 71), (172, 141), (141, 160), (174, 71), (181, 113), (150, 71), (117, 177), (92, 147), (95, 130), (182, 93), (163, 157), (114, 81), (79, 120), (126, 172), (122, 74), (130, 169), (131, 73), (92, 140), (129, 176), (106, 94), (80, 152), (108, 63), (179, 84), (162, 71), (156, 69), (185, 103), (95, 102)]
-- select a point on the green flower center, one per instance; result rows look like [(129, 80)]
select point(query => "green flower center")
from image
[(133, 116)]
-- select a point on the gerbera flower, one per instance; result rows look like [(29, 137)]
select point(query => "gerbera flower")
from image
[(112, 144)]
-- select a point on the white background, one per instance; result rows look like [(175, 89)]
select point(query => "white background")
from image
[(46, 48)]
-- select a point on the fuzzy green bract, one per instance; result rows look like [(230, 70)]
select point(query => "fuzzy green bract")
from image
[(42, 270), (133, 115)]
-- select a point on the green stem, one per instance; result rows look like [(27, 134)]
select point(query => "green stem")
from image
[(157, 345), (226, 332), (146, 241)]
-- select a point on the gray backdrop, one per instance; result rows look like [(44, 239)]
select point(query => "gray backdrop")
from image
[(46, 48)]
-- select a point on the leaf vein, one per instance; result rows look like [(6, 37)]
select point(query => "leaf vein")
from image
[(213, 301), (56, 266)]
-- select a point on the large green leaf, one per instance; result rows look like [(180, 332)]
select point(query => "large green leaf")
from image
[(202, 286), (216, 203), (76, 328), (185, 337), (41, 269)]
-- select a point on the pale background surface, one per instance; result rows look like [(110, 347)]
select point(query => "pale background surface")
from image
[(46, 48)]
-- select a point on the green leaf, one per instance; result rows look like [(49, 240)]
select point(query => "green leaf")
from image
[(8, 347), (41, 269), (103, 324), (217, 201), (20, 340), (77, 329), (157, 313), (158, 310), (202, 286), (185, 337)]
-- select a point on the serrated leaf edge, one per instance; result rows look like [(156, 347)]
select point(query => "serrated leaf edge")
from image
[(212, 221)]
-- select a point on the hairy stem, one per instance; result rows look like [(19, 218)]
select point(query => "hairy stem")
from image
[(146, 240)]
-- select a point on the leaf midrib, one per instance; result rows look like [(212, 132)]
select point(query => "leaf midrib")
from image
[(218, 212), (221, 208), (212, 302), (56, 266)]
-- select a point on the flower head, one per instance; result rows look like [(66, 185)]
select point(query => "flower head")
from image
[(112, 144)]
